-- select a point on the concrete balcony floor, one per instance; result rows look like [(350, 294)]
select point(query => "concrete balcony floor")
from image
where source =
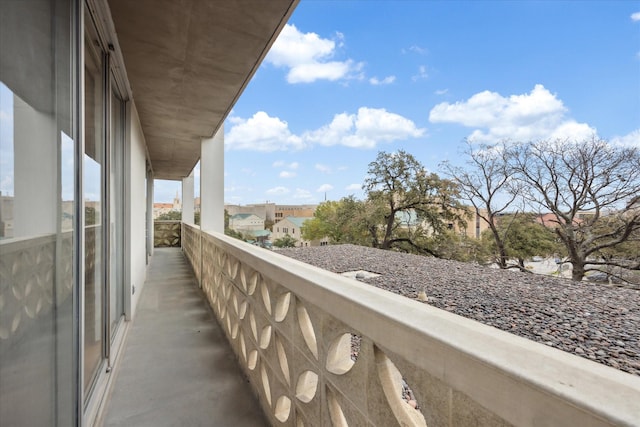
[(177, 368)]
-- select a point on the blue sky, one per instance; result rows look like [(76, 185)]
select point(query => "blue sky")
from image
[(347, 79)]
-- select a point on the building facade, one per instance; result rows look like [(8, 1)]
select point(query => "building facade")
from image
[(265, 211), (292, 226), (302, 211), (246, 222)]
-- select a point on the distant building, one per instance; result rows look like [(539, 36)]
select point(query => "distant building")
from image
[(271, 211), (550, 220), (6, 216), (260, 237), (300, 211), (163, 208), (246, 222), (292, 226), (265, 211), (475, 224)]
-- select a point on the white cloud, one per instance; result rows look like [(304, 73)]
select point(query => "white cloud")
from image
[(323, 168), (248, 171), (535, 115), (308, 57), (422, 73), (441, 92), (324, 187), (302, 194), (416, 49), (240, 189), (632, 139), (287, 174), (387, 80), (635, 17), (282, 164), (5, 116), (353, 187), (366, 129), (277, 191), (261, 133)]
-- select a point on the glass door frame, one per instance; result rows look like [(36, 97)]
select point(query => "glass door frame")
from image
[(113, 206)]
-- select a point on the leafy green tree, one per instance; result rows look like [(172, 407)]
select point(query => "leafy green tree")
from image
[(522, 238), (622, 261), (226, 219), (268, 224), (397, 187), (285, 242), (459, 247), (229, 231), (170, 216), (235, 234), (345, 221), (90, 217), (323, 224), (592, 190)]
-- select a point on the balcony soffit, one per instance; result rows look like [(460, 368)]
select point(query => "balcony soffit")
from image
[(187, 62)]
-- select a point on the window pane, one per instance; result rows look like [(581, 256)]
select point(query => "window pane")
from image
[(38, 359), (93, 204)]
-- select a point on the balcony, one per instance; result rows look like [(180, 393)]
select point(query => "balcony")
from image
[(320, 349), (177, 368)]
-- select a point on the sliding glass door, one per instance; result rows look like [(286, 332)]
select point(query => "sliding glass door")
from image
[(94, 206), (116, 210), (39, 151), (103, 194)]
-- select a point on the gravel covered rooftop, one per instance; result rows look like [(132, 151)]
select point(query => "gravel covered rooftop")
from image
[(595, 321)]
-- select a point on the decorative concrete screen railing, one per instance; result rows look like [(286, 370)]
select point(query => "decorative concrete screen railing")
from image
[(166, 234), (320, 350), (35, 276)]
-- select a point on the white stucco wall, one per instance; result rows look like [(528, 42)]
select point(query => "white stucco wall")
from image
[(137, 207)]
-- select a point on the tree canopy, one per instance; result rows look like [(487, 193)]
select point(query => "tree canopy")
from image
[(587, 191), (523, 238), (485, 182), (412, 203), (170, 216), (285, 242), (405, 209), (592, 190)]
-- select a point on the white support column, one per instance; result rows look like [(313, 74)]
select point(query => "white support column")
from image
[(187, 199), (35, 168), (150, 228), (212, 183)]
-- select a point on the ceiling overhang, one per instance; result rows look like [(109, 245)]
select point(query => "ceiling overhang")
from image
[(187, 63)]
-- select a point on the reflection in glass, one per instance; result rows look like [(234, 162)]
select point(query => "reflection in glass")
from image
[(93, 202), (116, 219), (6, 162), (38, 358)]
